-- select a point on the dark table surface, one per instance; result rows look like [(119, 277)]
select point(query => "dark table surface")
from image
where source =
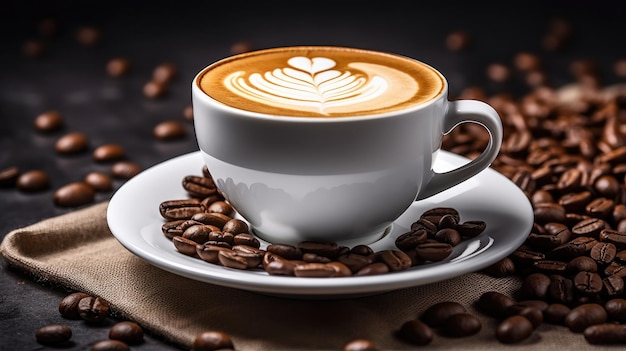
[(71, 79)]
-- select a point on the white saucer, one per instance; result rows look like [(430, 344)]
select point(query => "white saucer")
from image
[(134, 219)]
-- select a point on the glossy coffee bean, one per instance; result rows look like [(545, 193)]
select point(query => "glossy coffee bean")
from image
[(180, 209), (108, 152), (8, 176), (49, 121), (130, 333), (461, 325), (118, 67), (99, 181), (169, 130), (93, 309), (605, 334), (494, 304), (72, 143), (555, 313), (125, 169), (68, 307), (396, 260), (416, 332), (514, 329), (616, 309), (585, 315), (211, 341), (198, 186), (436, 315), (361, 345), (34, 180), (53, 334), (110, 345), (74, 194)]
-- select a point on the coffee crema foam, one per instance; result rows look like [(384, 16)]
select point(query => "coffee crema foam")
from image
[(320, 81)]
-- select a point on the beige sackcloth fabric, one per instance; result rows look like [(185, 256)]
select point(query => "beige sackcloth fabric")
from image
[(77, 250)]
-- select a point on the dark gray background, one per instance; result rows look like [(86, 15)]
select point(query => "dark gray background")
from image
[(72, 79)]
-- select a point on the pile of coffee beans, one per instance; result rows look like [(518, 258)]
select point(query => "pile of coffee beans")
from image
[(203, 226), (94, 311)]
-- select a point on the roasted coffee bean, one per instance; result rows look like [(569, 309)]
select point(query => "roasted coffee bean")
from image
[(198, 186), (615, 268), (433, 251), (184, 245), (118, 67), (53, 334), (188, 113), (219, 236), (276, 265), (535, 286), (93, 309), (109, 152), (129, 332), (575, 201), (245, 239), (434, 215), (341, 270), (449, 236), (74, 194), (416, 332), (427, 225), (212, 340), (322, 248), (165, 72), (600, 207), (550, 266), (574, 248), (494, 304), (236, 226), (570, 180), (314, 270), (180, 209), (361, 345), (533, 314), (314, 258), (198, 233), (155, 90), (396, 260), (585, 315), (169, 130), (612, 286), (614, 237), (253, 255), (461, 325), (222, 207), (603, 253), (68, 307), (49, 121), (125, 169), (209, 252), (373, 269), (230, 259), (502, 268), (365, 250), (286, 251), (215, 219), (448, 221), (616, 309), (514, 329), (588, 284), (72, 143), (172, 228), (354, 261), (555, 313), (605, 334), (110, 345), (471, 229), (590, 227), (549, 212), (435, 315), (526, 257), (411, 239), (582, 264), (607, 186), (8, 176), (34, 180), (556, 234), (561, 289), (99, 181)]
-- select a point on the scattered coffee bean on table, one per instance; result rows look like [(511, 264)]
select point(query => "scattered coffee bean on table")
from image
[(49, 121), (53, 334), (33, 180), (129, 332)]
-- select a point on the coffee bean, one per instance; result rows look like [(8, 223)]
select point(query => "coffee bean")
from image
[(188, 113), (110, 345), (613, 286), (435, 315), (549, 212), (411, 239), (603, 253), (72, 143), (93, 309), (605, 334), (396, 260), (49, 121), (99, 181), (589, 227), (185, 246), (277, 265), (8, 176), (433, 251), (555, 313), (373, 269), (197, 186), (471, 229), (614, 237), (286, 251), (502, 268), (237, 226), (314, 270), (582, 264), (449, 236), (588, 283), (180, 209), (222, 207), (461, 325), (434, 215), (245, 239), (561, 289), (68, 307), (361, 345), (514, 329), (211, 340), (493, 303), (585, 315), (533, 314), (118, 67), (616, 309), (125, 169), (128, 332), (53, 334), (74, 194), (535, 286), (416, 332), (169, 130), (108, 152), (32, 181), (600, 207), (165, 72), (322, 248)]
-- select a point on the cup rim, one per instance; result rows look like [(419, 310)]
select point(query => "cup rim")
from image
[(197, 92)]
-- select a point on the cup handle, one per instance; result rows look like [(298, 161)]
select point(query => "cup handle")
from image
[(466, 111)]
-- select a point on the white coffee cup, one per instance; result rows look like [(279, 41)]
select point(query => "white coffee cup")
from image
[(329, 143)]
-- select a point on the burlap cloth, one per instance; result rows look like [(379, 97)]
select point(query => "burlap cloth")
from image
[(77, 250)]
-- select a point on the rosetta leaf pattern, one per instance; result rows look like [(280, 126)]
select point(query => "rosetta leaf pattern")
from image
[(308, 82)]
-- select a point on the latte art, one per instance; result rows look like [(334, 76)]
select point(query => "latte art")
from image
[(320, 82)]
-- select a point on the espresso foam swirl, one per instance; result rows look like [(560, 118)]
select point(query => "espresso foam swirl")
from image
[(320, 82)]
